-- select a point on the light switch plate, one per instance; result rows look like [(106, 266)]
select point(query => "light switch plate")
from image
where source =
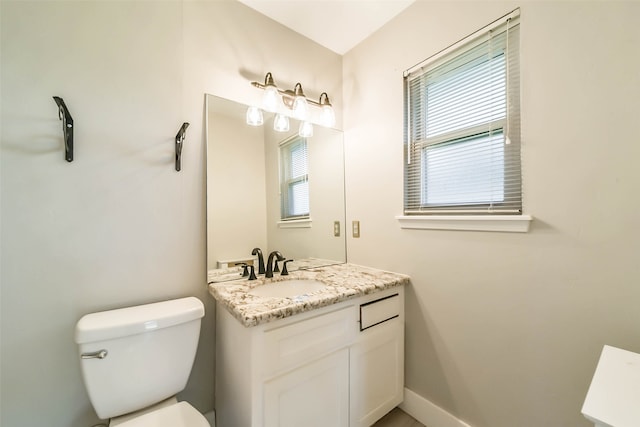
[(356, 229)]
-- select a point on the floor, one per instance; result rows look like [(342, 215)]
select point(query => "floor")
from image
[(397, 418)]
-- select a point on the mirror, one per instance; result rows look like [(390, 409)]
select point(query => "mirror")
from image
[(244, 196)]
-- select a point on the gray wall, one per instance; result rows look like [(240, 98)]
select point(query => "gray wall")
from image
[(502, 329), (236, 199), (505, 329), (118, 226)]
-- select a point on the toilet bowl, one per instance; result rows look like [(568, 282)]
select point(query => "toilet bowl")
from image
[(135, 360)]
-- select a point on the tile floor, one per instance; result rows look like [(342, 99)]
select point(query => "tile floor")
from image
[(397, 418)]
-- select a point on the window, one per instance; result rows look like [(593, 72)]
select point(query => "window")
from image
[(463, 127), (294, 179)]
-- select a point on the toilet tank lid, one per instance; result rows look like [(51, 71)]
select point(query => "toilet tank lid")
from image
[(122, 322)]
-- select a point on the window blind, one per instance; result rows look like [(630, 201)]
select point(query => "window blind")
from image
[(294, 191), (463, 127)]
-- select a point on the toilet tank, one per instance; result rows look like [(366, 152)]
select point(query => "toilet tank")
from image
[(148, 353)]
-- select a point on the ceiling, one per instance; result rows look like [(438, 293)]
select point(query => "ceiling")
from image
[(338, 25)]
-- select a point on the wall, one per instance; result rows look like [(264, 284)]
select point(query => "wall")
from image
[(236, 200), (505, 329), (117, 226)]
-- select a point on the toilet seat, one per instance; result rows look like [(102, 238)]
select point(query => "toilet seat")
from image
[(179, 414)]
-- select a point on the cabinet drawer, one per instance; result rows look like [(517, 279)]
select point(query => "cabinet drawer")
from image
[(375, 312), (301, 342)]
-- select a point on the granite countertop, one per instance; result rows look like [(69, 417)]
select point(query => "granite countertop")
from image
[(235, 273), (343, 282)]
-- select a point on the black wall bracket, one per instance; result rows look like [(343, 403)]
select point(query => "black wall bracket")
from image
[(67, 128), (180, 136)]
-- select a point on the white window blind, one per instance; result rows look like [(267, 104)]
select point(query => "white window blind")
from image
[(294, 179), (463, 127)]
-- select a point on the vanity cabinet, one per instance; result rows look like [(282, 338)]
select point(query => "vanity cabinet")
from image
[(376, 374), (339, 366), (315, 394)]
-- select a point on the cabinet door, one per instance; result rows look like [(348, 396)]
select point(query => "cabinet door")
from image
[(377, 372), (313, 395)]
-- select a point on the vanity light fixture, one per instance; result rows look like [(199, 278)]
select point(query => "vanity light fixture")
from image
[(254, 116), (305, 130), (281, 123), (270, 97), (300, 106), (293, 100), (328, 115)]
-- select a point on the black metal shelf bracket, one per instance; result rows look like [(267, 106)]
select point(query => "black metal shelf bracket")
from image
[(179, 140), (67, 128)]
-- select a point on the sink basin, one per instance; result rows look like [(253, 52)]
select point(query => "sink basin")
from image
[(287, 288)]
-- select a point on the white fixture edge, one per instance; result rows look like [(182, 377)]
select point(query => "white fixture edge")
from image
[(211, 417), (295, 223), (427, 412), (504, 223)]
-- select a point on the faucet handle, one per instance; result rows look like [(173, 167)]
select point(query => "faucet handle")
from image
[(285, 272), (245, 269), (252, 275)]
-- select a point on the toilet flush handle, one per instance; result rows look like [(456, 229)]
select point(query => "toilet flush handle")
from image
[(100, 354)]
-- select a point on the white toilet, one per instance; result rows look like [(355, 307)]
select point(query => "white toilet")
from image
[(135, 360)]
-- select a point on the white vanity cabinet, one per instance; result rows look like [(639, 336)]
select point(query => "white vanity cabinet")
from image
[(376, 360), (315, 394), (340, 365)]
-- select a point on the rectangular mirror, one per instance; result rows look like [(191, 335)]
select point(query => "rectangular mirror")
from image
[(272, 190)]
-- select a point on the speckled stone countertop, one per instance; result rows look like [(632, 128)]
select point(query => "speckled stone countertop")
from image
[(343, 282), (235, 273)]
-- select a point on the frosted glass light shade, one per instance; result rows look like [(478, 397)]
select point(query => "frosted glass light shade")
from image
[(270, 98), (300, 108), (328, 116), (281, 123), (254, 116), (306, 130)]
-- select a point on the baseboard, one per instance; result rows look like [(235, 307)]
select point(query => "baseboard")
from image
[(427, 412)]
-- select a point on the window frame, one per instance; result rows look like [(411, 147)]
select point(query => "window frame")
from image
[(287, 181), (454, 220), (465, 57)]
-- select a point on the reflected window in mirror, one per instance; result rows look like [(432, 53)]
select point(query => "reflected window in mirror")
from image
[(294, 179)]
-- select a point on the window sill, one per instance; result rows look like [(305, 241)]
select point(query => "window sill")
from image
[(503, 223), (295, 223)]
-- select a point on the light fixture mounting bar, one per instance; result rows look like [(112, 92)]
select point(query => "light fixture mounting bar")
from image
[(288, 93)]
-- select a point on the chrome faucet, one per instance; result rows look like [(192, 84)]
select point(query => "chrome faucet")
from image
[(270, 262), (257, 251)]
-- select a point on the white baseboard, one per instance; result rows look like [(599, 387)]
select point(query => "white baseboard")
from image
[(427, 412)]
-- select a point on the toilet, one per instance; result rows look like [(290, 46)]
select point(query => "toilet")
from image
[(135, 360)]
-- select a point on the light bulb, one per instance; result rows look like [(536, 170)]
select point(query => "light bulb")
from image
[(281, 123), (270, 98), (300, 107), (254, 116), (328, 116), (306, 130)]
